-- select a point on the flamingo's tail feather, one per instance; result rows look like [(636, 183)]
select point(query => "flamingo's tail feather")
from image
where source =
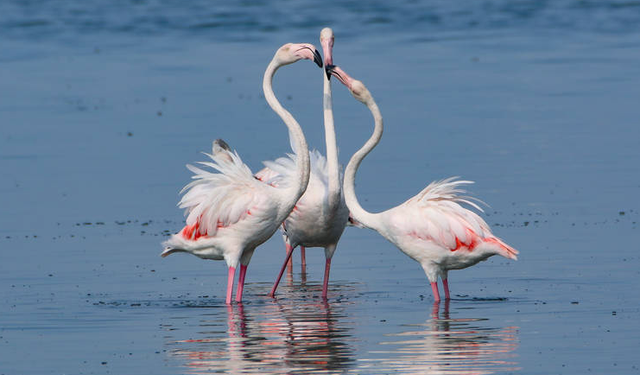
[(504, 249)]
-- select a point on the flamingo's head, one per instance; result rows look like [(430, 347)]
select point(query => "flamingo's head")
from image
[(292, 52), (357, 88), (326, 40)]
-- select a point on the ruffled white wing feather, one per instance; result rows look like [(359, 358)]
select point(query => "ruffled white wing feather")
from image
[(281, 172), (435, 214), (216, 200)]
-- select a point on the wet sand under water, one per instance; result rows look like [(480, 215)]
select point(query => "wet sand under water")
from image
[(94, 140)]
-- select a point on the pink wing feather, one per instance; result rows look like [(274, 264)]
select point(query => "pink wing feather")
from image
[(435, 214)]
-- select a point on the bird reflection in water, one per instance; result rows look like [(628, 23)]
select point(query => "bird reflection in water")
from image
[(272, 338), (443, 345)]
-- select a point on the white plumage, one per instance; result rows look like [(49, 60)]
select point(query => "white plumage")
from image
[(434, 229), (228, 202), (215, 200), (310, 223)]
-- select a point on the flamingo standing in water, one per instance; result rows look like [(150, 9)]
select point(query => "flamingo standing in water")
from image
[(320, 216), (432, 228), (231, 212)]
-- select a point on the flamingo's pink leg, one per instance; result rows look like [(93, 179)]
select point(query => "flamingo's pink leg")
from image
[(232, 274), (288, 248), (284, 265), (243, 272), (445, 283), (325, 285), (303, 259), (436, 294)]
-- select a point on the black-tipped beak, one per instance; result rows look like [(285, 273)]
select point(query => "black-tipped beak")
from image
[(317, 58), (328, 71), (340, 75)]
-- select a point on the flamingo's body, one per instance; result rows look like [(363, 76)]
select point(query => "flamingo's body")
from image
[(311, 223), (321, 214), (432, 228), (230, 213)]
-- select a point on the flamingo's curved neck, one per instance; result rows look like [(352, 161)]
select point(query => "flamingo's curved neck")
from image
[(297, 139), (368, 219), (333, 167)]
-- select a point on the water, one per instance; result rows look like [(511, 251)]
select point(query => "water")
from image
[(104, 102)]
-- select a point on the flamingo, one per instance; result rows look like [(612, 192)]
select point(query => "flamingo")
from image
[(432, 227), (230, 213), (320, 216)]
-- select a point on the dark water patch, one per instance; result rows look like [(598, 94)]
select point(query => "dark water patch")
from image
[(161, 303), (289, 294), (481, 299), (240, 21), (163, 227)]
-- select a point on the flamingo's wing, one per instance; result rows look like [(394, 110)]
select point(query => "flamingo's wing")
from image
[(267, 175), (319, 168), (448, 189), (216, 200), (281, 171), (436, 215), (278, 172)]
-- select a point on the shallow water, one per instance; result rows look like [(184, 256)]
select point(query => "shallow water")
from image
[(103, 104)]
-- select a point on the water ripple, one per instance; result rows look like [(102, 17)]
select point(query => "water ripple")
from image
[(445, 345), (313, 337), (302, 335)]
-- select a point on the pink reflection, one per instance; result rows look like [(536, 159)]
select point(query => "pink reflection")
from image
[(445, 345), (273, 338)]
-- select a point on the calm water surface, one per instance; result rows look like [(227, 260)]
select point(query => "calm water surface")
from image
[(103, 103)]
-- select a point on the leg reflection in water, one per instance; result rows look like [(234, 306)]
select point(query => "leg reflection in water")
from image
[(274, 338), (451, 345)]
